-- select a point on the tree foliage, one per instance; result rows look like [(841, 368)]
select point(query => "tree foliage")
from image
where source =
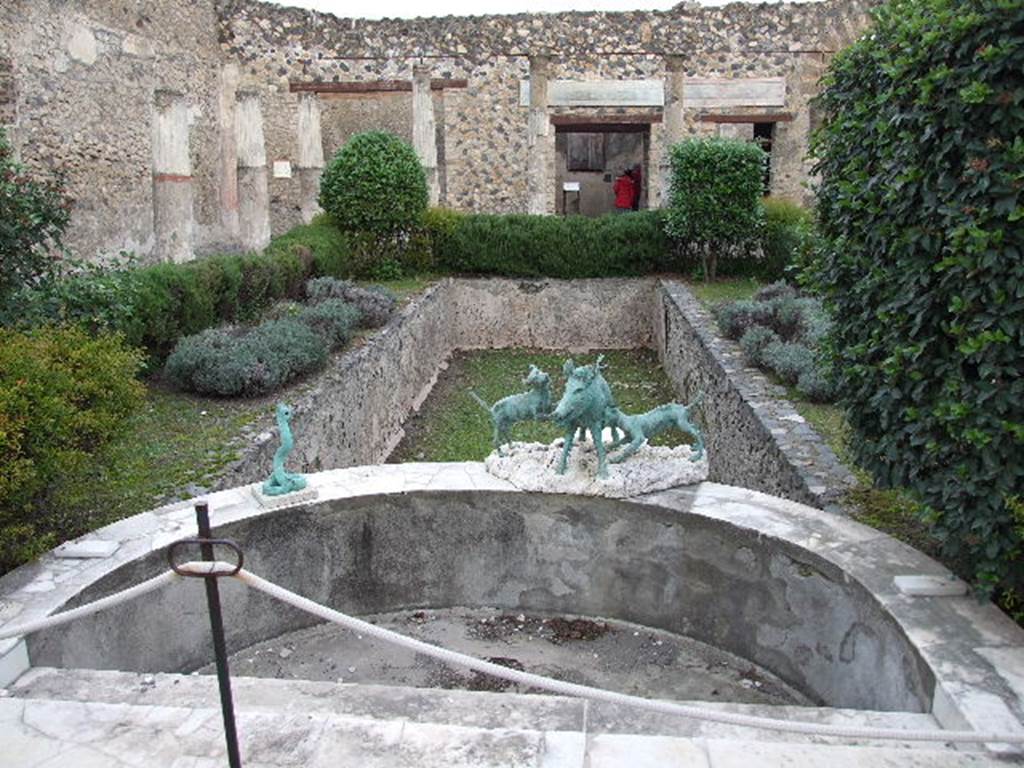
[(715, 197), (922, 167), (33, 217)]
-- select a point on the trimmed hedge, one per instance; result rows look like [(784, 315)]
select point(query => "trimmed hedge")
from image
[(921, 205), (521, 245), (157, 305), (63, 394)]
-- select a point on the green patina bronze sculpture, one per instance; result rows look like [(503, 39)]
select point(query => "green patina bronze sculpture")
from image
[(534, 404), (586, 403), (280, 481), (643, 426)]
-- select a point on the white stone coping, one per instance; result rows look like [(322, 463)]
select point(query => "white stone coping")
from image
[(975, 652)]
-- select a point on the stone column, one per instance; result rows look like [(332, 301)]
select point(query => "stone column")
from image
[(540, 142), (253, 196), (310, 155), (173, 221), (228, 170), (424, 129), (674, 126)]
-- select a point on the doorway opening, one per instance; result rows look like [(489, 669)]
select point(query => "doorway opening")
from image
[(589, 157)]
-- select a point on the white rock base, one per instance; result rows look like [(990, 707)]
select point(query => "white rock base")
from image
[(533, 467)]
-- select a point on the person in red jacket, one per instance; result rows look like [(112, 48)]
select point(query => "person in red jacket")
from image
[(624, 190), (638, 186)]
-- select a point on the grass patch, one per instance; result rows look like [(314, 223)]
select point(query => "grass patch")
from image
[(452, 426), (405, 288), (724, 289), (175, 446)]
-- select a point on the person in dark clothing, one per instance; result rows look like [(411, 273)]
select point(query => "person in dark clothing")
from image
[(638, 186), (624, 190)]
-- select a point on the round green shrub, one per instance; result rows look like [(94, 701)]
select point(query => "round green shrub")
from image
[(375, 184), (375, 304), (715, 196), (754, 342), (737, 317), (231, 361), (788, 360), (921, 205), (333, 319)]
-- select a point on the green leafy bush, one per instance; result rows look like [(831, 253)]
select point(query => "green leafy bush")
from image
[(375, 184), (921, 159), (552, 246), (787, 238), (99, 297), (375, 304), (715, 198), (33, 217), (237, 361), (63, 394)]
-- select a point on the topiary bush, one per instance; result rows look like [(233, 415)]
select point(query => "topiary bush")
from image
[(375, 190), (920, 207), (235, 361), (375, 304), (375, 183), (63, 394), (33, 217), (715, 197)]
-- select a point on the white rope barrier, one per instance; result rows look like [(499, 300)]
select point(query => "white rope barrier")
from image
[(86, 610), (512, 675)]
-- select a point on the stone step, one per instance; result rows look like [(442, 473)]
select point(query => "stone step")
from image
[(459, 709), (48, 733)]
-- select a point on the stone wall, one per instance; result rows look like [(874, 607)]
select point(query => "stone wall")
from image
[(85, 76), (755, 439), (498, 151), (93, 86)]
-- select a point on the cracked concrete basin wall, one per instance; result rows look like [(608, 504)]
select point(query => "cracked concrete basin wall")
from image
[(778, 605)]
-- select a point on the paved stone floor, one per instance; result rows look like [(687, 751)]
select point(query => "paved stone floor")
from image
[(608, 654), (81, 719)]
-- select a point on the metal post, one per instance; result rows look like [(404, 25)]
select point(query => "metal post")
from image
[(219, 648)]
